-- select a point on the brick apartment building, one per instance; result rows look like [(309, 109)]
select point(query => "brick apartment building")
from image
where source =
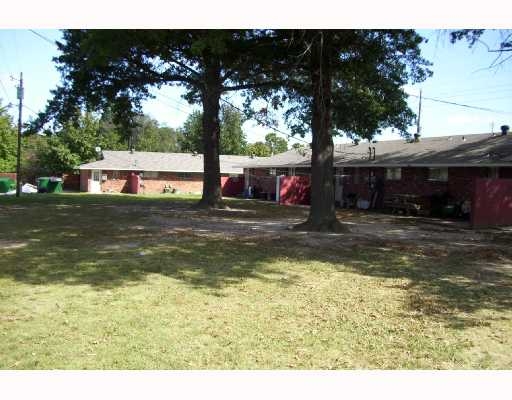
[(156, 172), (447, 165)]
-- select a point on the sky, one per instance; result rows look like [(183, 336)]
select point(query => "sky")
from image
[(461, 75)]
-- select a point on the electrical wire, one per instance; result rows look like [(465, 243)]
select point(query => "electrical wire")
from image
[(173, 107), (43, 37), (264, 123), (5, 91), (476, 92), (173, 100), (30, 109), (460, 105)]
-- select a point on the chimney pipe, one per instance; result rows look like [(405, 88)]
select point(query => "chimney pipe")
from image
[(504, 129), (416, 137)]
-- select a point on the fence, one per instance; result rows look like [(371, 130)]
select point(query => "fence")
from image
[(492, 202), (294, 190)]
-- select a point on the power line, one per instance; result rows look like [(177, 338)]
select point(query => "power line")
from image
[(42, 37), (6, 60), (476, 92), (265, 123), (5, 91), (173, 107), (173, 100), (344, 153), (461, 105), (30, 109)]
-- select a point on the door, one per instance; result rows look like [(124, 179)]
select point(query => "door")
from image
[(338, 186), (95, 185)]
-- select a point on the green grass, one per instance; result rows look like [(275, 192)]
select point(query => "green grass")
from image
[(91, 282)]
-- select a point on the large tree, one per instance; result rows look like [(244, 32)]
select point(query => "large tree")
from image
[(232, 136), (148, 135), (74, 144), (8, 142), (118, 67), (345, 82), (275, 143)]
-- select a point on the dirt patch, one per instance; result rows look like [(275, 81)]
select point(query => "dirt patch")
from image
[(364, 229)]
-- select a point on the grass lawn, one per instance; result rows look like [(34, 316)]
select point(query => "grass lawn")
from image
[(136, 282)]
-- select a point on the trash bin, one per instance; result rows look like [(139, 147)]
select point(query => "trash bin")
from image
[(449, 211), (42, 184), (7, 184), (54, 185)]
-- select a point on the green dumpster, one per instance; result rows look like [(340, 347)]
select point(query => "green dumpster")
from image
[(449, 211), (6, 184), (42, 184), (55, 185)]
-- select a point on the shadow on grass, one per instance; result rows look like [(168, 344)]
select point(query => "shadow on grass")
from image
[(449, 284), (105, 248)]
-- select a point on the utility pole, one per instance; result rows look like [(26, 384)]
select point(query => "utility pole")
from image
[(418, 120), (18, 160)]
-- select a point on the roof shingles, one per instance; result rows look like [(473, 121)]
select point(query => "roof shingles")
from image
[(165, 162), (459, 150)]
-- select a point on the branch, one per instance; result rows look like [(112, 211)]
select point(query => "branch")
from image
[(252, 85), (183, 65), (179, 78)]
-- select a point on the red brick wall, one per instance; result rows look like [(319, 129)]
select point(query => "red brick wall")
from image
[(118, 182), (492, 202), (193, 183), (415, 181), (11, 175)]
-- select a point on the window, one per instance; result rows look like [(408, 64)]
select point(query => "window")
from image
[(150, 174), (115, 174), (438, 174), (356, 175), (184, 176), (393, 174), (493, 172), (278, 171)]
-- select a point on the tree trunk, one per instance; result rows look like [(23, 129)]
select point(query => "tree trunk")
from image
[(322, 215), (212, 191)]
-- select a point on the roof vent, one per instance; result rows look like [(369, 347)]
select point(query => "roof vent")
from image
[(417, 137), (504, 129), (463, 138), (132, 150)]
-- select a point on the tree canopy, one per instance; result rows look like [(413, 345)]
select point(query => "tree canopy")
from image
[(232, 137), (343, 82), (8, 142), (276, 143), (117, 68)]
